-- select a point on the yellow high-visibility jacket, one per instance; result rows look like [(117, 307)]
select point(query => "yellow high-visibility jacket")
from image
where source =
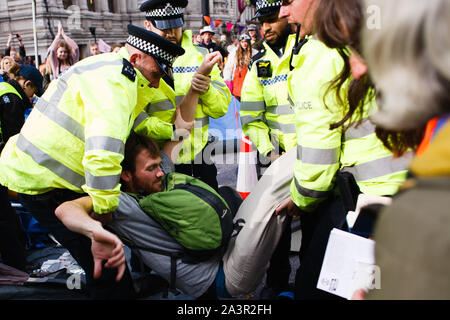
[(162, 101), (321, 152), (75, 136), (265, 110)]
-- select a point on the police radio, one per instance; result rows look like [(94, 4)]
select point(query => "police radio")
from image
[(264, 69)]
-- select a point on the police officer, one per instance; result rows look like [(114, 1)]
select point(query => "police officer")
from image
[(14, 100), (268, 119), (73, 142), (324, 154), (166, 18), (266, 115)]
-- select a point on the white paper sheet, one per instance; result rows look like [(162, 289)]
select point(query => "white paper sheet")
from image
[(349, 264)]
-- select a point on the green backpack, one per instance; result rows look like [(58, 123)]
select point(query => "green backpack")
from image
[(193, 213)]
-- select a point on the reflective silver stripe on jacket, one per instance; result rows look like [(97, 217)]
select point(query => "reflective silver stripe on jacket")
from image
[(60, 118), (310, 193), (140, 118), (164, 105), (45, 160), (254, 106), (102, 182), (283, 127), (249, 119), (380, 167), (318, 156), (105, 143), (280, 110), (359, 130)]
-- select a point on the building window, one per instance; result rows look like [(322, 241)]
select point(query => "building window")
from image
[(67, 3), (111, 5), (91, 5)]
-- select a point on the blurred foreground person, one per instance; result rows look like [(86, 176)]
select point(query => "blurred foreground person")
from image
[(408, 59)]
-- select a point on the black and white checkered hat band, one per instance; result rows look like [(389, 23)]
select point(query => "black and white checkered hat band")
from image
[(263, 4), (164, 13), (151, 49)]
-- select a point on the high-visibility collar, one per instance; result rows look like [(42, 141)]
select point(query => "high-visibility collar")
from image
[(6, 88)]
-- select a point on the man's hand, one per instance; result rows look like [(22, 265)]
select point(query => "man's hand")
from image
[(290, 208), (209, 61), (107, 246), (200, 83)]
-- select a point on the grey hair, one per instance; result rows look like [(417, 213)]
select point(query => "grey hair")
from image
[(409, 61)]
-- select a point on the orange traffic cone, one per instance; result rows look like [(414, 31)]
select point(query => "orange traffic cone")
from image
[(247, 177)]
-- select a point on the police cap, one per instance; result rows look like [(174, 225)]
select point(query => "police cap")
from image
[(162, 50), (165, 14), (266, 8)]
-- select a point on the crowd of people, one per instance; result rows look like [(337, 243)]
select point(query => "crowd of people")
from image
[(364, 108)]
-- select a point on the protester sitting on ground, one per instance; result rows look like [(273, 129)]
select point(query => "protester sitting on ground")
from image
[(6, 64), (411, 235), (236, 67), (14, 100), (63, 53), (142, 173), (331, 149), (9, 51)]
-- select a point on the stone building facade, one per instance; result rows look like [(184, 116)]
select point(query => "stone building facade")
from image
[(109, 18)]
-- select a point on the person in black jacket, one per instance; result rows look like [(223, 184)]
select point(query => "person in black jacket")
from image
[(15, 98)]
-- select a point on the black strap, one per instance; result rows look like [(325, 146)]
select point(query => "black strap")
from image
[(298, 46), (173, 261)]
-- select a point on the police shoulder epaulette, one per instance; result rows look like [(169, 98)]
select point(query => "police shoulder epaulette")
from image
[(128, 70), (256, 57)]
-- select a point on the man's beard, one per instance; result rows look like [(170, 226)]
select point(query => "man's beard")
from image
[(282, 38)]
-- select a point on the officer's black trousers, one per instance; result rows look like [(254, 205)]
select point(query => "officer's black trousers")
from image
[(279, 269), (42, 207), (12, 248), (316, 227)]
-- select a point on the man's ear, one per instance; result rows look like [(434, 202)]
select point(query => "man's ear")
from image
[(126, 176), (134, 58)]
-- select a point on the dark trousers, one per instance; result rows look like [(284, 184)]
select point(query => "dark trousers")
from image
[(42, 207), (12, 244), (205, 172), (280, 266), (316, 227)]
